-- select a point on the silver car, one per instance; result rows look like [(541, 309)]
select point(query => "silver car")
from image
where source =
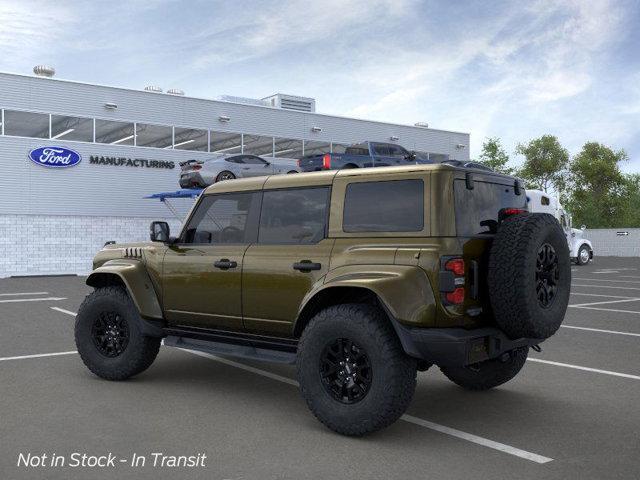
[(202, 173)]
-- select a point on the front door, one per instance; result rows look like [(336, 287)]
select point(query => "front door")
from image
[(254, 166), (202, 272), (291, 256)]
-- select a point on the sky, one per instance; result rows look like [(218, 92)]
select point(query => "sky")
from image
[(514, 70)]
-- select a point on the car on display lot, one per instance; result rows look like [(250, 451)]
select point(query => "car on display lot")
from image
[(374, 154), (365, 154), (202, 173), (580, 249), (361, 277)]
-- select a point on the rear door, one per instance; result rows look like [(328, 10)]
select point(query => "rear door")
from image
[(291, 256)]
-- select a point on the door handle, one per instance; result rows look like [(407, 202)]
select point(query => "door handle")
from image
[(306, 266), (225, 264)]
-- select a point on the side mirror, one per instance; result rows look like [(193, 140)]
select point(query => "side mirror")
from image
[(583, 227), (159, 232), (267, 164), (411, 155)]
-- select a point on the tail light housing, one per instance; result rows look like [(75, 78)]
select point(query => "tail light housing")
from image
[(196, 167), (326, 161), (455, 265), (456, 297), (298, 162), (452, 280)]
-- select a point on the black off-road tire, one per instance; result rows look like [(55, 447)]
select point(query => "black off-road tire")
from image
[(392, 372), (515, 279), (140, 350), (490, 373)]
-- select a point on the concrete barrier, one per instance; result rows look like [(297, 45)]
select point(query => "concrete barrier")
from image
[(614, 242)]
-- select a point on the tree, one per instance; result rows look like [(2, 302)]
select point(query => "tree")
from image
[(600, 193), (494, 156), (631, 209), (545, 163)]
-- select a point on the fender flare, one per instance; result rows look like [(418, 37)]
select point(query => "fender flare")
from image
[(414, 306), (133, 275)]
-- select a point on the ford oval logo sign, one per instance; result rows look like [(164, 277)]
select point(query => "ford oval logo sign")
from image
[(56, 157)]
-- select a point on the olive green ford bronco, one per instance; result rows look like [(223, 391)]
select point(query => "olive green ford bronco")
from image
[(360, 277)]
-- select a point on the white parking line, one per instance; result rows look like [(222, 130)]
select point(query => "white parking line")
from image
[(598, 295), (62, 310), (605, 280), (628, 276), (485, 442), (607, 286), (39, 355), (608, 309), (586, 369), (601, 331), (23, 293), (632, 299), (16, 300)]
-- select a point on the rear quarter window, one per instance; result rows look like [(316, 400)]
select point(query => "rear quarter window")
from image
[(389, 206)]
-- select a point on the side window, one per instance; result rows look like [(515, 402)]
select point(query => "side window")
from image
[(297, 216), (397, 151), (235, 159), (224, 218), (381, 149), (253, 160), (392, 206)]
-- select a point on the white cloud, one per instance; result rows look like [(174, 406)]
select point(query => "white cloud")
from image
[(30, 30)]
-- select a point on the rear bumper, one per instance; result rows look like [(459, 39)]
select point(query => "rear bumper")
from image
[(192, 179), (457, 346)]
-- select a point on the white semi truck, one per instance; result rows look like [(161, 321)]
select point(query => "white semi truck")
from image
[(580, 249)]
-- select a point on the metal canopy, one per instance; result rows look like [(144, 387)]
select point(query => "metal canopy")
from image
[(183, 193)]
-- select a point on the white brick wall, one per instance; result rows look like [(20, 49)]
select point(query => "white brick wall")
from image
[(609, 241), (52, 244)]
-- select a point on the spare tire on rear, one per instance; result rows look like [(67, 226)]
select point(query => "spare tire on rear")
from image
[(529, 276)]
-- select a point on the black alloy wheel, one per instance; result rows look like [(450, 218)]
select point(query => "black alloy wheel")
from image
[(547, 275), (345, 370), (110, 333)]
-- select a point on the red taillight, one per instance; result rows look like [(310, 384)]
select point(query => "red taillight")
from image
[(326, 161), (298, 162), (513, 211), (456, 297), (455, 265), (196, 167)]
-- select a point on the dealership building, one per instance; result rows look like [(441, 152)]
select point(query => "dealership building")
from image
[(127, 144)]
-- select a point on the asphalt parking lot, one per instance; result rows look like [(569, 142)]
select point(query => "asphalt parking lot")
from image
[(571, 413)]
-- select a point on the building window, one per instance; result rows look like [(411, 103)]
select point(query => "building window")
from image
[(157, 136), (258, 145), (312, 147), (26, 124), (399, 206), (338, 147), (294, 216), (72, 128), (190, 139), (225, 142), (114, 133), (287, 148)]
